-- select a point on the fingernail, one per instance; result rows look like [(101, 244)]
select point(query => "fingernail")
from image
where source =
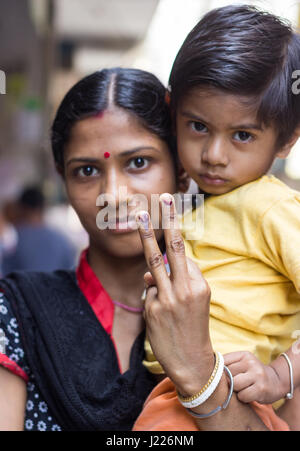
[(144, 219), (167, 199)]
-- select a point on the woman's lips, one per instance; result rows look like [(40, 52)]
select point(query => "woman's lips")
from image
[(124, 226), (210, 179)]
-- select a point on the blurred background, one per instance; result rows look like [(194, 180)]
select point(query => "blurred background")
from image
[(47, 45)]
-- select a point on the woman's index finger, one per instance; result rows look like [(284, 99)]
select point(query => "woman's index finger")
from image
[(153, 255)]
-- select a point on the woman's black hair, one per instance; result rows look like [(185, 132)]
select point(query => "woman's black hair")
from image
[(134, 90), (246, 52)]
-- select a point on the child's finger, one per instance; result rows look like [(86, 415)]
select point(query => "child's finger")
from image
[(247, 395), (233, 357), (242, 381), (238, 367)]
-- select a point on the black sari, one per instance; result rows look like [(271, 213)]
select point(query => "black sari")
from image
[(72, 357)]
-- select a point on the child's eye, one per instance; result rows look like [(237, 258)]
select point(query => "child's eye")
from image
[(86, 171), (198, 127), (243, 136), (138, 163)]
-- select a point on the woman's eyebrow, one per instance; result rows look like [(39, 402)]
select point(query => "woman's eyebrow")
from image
[(126, 153), (83, 160), (129, 152)]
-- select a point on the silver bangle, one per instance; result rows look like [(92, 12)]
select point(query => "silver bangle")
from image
[(222, 407), (290, 394)]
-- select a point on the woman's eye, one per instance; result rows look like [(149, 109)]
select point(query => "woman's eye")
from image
[(243, 136), (138, 163), (87, 171), (198, 127)]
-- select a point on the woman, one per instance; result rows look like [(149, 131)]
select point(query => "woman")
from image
[(74, 341)]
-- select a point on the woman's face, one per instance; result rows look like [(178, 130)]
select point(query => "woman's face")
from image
[(114, 156)]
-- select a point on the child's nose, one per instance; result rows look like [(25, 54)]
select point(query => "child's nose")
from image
[(215, 152)]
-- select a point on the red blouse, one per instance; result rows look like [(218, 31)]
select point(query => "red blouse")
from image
[(95, 294)]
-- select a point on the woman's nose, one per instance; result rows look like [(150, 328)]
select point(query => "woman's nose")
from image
[(115, 189)]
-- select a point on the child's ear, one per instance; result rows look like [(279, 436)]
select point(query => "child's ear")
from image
[(285, 150), (183, 180)]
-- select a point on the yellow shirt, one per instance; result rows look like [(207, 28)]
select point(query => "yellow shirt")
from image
[(249, 253)]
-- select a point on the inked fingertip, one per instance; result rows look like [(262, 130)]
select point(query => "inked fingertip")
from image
[(167, 199), (143, 218)]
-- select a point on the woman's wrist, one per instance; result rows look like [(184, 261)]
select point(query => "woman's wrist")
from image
[(193, 377)]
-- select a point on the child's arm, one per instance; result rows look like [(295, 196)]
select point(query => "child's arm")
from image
[(290, 411), (266, 384)]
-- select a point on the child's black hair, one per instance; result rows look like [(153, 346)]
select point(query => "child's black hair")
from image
[(246, 52), (137, 91)]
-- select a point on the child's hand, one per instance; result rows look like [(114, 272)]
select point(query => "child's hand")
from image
[(253, 381)]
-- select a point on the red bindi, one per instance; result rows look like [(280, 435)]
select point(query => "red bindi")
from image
[(106, 154)]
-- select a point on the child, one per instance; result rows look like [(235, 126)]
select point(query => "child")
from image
[(235, 113)]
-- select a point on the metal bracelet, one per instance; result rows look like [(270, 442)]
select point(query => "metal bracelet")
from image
[(222, 407), (290, 394)]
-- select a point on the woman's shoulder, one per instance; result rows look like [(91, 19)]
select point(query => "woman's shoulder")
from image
[(51, 277), (37, 286)]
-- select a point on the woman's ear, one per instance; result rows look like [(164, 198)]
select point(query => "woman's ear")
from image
[(183, 180), (285, 150), (60, 170)]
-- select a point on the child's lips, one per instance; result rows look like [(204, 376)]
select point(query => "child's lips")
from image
[(212, 179)]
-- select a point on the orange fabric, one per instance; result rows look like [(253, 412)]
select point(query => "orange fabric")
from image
[(163, 412)]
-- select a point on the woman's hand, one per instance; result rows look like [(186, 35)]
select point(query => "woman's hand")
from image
[(176, 306)]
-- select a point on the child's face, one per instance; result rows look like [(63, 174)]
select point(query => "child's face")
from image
[(221, 145), (113, 154)]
